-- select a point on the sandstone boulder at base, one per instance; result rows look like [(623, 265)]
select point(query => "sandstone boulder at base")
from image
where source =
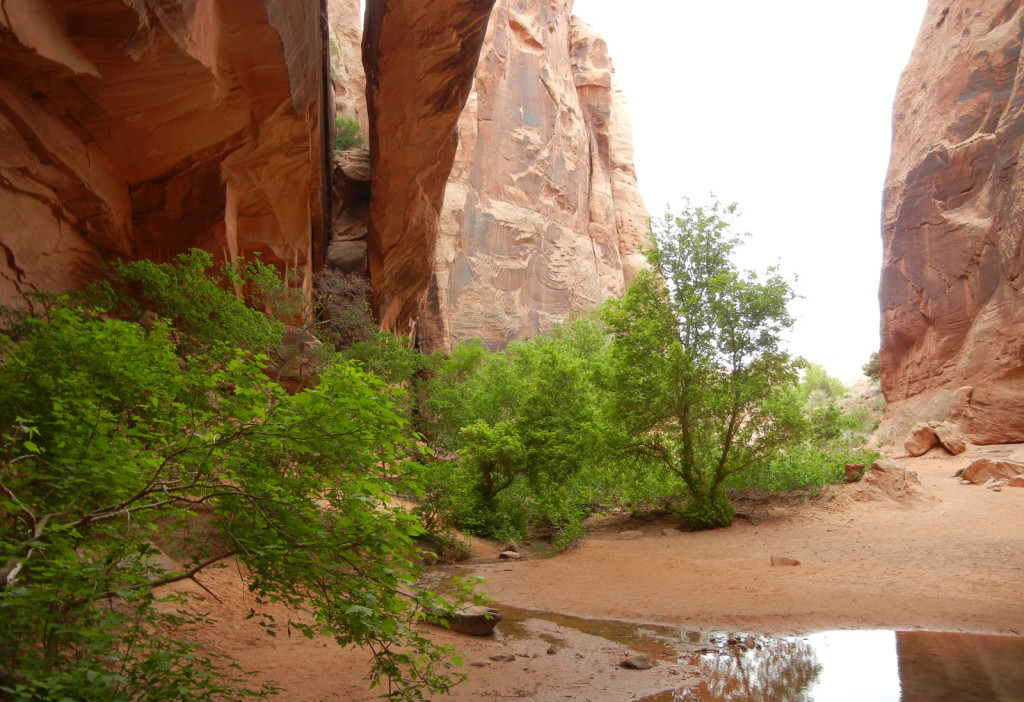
[(985, 469), (1016, 481), (922, 438), (893, 480), (925, 435), (951, 438), (854, 472)]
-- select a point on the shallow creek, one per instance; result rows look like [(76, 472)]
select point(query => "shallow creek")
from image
[(831, 666), (828, 666)]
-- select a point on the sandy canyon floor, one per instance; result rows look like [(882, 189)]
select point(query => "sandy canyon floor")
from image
[(948, 558)]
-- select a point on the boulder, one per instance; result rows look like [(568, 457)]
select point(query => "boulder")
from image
[(984, 469), (1016, 481), (854, 472), (893, 480), (511, 545), (640, 661), (473, 620), (951, 438), (922, 438)]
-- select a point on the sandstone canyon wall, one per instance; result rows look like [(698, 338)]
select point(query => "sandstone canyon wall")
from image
[(419, 59), (348, 80), (542, 217), (141, 128), (952, 294)]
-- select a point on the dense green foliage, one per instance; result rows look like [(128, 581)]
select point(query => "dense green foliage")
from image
[(697, 362), (157, 430), (524, 424), (347, 133), (873, 367), (664, 399)]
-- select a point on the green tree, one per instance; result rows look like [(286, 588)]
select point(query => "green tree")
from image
[(873, 367), (817, 388), (697, 362), (122, 439), (527, 419), (347, 133)]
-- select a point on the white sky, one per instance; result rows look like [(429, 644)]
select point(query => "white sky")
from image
[(784, 107)]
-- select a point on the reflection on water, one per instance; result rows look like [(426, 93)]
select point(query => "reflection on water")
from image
[(831, 666), (960, 667), (875, 666), (776, 669)]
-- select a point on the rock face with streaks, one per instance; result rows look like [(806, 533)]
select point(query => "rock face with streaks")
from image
[(419, 59), (542, 217), (952, 293), (141, 128)]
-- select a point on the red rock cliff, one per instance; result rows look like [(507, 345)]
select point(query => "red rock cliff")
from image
[(140, 128), (419, 59), (542, 217), (952, 294)]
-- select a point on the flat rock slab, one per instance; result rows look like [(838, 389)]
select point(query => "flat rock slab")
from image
[(985, 469)]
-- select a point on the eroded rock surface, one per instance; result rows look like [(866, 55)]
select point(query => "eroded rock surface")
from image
[(893, 481), (419, 59), (141, 129), (952, 294), (542, 217)]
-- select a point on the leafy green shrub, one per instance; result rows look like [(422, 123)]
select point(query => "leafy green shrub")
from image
[(873, 367), (709, 513), (817, 388), (117, 434), (197, 298), (347, 133), (524, 423), (805, 467)]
